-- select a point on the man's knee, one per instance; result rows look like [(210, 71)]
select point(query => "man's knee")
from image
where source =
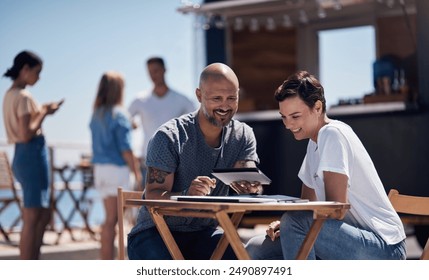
[(147, 245)]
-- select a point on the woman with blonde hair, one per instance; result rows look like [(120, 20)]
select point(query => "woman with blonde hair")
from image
[(112, 154)]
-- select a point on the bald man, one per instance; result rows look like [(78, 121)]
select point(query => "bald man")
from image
[(181, 156)]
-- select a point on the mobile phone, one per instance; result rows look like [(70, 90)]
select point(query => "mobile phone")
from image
[(60, 102)]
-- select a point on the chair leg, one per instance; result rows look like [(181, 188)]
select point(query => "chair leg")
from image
[(4, 233), (121, 245)]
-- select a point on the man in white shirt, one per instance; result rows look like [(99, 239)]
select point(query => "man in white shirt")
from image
[(157, 106)]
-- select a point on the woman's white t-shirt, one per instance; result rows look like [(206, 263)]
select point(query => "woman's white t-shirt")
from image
[(338, 149)]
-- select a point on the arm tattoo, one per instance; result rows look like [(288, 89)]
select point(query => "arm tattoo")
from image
[(156, 175)]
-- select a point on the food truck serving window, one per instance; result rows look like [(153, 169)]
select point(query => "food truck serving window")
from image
[(346, 56)]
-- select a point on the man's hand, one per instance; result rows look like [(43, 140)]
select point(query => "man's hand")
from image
[(202, 185), (245, 187)]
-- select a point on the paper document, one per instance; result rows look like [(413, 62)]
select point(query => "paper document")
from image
[(229, 175)]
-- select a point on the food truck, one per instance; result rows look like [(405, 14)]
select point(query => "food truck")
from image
[(265, 41)]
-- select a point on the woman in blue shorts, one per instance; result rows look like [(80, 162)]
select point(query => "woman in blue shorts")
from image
[(23, 118)]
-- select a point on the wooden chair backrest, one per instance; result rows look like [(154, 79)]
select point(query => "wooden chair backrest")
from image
[(411, 205), (123, 196), (7, 182), (6, 175)]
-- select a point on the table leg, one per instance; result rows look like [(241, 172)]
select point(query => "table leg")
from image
[(77, 201), (232, 235), (311, 237), (78, 210), (85, 212), (57, 199), (166, 235), (223, 242), (87, 182)]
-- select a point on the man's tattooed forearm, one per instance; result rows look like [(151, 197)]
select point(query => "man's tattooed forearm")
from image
[(156, 175)]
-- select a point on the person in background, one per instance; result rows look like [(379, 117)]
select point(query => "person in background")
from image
[(112, 154), (336, 167), (23, 118), (181, 156), (157, 106)]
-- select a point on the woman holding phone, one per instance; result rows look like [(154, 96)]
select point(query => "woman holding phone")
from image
[(23, 118)]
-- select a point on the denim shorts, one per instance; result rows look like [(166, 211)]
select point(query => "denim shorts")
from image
[(31, 169)]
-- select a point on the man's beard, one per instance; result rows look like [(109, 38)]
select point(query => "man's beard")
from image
[(213, 120)]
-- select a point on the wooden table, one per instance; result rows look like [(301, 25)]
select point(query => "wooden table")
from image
[(229, 216), (81, 204)]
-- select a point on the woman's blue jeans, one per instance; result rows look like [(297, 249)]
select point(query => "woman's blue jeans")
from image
[(337, 240)]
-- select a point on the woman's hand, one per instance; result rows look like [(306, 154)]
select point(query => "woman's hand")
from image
[(52, 107), (273, 230)]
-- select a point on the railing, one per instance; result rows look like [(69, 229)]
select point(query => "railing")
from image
[(71, 186)]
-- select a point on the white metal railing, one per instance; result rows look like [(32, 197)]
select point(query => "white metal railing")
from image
[(74, 201), (63, 152)]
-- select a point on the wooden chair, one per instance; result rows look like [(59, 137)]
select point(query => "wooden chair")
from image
[(416, 209), (123, 196), (7, 184)]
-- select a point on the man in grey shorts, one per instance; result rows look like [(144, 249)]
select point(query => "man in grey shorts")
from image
[(181, 156)]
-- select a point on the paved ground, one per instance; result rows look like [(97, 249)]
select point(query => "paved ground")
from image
[(85, 248)]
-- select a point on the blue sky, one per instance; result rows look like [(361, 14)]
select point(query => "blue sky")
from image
[(79, 40), (346, 58)]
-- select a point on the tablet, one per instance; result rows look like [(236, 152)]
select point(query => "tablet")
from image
[(229, 175)]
